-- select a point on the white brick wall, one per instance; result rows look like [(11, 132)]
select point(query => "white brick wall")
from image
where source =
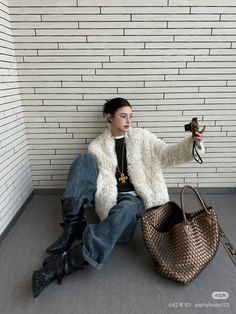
[(172, 59), (15, 176)]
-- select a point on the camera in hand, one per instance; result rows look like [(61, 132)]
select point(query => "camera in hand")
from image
[(192, 126)]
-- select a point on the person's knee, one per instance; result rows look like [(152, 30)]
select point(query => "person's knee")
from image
[(89, 161), (85, 158), (77, 160), (89, 157)]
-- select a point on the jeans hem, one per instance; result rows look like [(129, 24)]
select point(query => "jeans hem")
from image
[(89, 260)]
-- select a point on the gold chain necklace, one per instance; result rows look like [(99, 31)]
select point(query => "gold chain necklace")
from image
[(122, 177)]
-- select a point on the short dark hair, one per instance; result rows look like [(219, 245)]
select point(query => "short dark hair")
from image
[(112, 105)]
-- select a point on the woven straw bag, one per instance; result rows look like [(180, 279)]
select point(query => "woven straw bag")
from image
[(180, 243)]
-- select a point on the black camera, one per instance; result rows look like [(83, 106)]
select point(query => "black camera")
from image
[(192, 126)]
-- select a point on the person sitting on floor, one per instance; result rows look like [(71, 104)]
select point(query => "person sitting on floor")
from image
[(122, 174)]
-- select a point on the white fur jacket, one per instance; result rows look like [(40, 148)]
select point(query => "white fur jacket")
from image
[(146, 157)]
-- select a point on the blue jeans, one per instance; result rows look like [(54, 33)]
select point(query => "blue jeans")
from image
[(100, 239), (82, 180)]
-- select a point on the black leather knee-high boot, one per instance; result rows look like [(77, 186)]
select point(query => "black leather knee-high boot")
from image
[(55, 267), (74, 223)]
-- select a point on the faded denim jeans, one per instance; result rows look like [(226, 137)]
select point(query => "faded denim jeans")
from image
[(100, 239)]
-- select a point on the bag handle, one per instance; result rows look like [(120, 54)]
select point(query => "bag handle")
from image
[(199, 198)]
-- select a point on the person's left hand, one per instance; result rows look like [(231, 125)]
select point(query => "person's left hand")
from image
[(198, 135)]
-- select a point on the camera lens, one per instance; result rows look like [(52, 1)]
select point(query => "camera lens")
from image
[(187, 127)]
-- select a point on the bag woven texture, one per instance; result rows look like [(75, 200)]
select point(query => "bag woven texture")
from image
[(181, 244)]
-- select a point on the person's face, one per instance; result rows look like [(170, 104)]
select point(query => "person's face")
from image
[(121, 121)]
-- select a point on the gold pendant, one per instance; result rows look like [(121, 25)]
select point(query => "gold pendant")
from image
[(123, 178)]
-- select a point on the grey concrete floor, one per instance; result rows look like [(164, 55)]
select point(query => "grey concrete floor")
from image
[(126, 283)]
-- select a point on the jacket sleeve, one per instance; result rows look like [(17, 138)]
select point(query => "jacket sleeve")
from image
[(171, 155)]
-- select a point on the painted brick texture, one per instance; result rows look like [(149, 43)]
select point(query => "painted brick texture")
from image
[(172, 59), (15, 175)]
